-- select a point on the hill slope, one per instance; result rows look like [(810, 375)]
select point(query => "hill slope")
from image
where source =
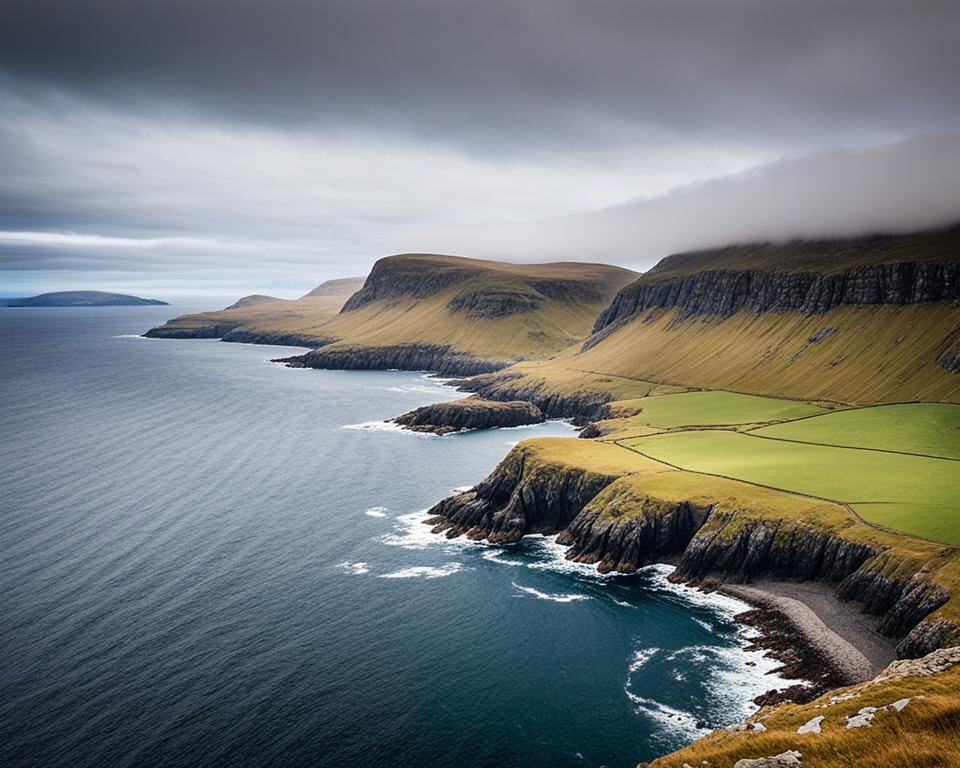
[(85, 299), (456, 315), (427, 312), (864, 321), (266, 319)]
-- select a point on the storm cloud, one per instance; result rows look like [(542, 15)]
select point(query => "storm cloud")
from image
[(274, 144)]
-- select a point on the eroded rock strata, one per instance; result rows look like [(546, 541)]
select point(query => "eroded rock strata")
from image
[(469, 413), (526, 495), (727, 291)]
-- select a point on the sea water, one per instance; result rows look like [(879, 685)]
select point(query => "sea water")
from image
[(209, 559)]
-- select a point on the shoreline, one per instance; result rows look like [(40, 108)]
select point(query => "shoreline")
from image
[(817, 637)]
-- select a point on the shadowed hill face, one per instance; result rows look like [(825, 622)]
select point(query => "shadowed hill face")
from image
[(524, 286)]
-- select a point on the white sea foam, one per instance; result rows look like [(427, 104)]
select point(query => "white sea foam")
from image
[(622, 603), (411, 533), (381, 426), (376, 512), (134, 336), (497, 556), (555, 558), (357, 569), (556, 598), (425, 572), (641, 657)]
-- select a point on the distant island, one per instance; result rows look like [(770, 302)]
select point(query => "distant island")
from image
[(84, 299)]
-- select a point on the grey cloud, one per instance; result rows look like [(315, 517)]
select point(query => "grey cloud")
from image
[(901, 187), (509, 74)]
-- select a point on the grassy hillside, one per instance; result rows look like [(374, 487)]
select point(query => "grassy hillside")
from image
[(486, 309), (267, 316), (476, 309)]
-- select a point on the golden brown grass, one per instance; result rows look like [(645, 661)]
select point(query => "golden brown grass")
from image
[(923, 735)]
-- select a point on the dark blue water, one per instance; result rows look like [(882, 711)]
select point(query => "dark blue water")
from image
[(210, 560)]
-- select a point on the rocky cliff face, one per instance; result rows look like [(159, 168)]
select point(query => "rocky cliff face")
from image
[(627, 543), (525, 496), (726, 291), (470, 413), (405, 357), (520, 497)]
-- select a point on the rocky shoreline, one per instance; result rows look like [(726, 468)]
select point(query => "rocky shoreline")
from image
[(526, 495), (469, 413)]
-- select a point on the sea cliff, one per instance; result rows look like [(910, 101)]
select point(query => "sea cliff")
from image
[(622, 522)]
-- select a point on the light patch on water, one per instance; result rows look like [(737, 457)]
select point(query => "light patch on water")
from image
[(376, 512), (425, 572), (556, 598), (357, 569)]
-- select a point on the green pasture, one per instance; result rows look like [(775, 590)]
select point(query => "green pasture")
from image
[(713, 409), (915, 494), (925, 428)]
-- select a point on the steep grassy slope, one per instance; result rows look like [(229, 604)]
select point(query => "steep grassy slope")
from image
[(267, 319), (453, 314)]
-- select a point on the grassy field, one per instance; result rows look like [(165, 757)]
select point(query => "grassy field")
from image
[(712, 409), (915, 494), (926, 428)]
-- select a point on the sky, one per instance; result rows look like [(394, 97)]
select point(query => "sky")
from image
[(221, 147)]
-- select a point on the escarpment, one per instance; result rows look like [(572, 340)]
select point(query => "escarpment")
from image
[(437, 358), (469, 413), (725, 292), (809, 277)]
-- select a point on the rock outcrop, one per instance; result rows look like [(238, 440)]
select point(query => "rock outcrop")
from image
[(522, 496), (580, 407), (469, 413), (626, 543), (437, 358)]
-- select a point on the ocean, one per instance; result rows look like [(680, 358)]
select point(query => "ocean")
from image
[(208, 559)]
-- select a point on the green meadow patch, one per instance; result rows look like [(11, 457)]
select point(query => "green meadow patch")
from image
[(712, 409), (915, 494), (925, 428)]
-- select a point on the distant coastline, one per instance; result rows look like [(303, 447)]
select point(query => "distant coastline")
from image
[(82, 299)]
